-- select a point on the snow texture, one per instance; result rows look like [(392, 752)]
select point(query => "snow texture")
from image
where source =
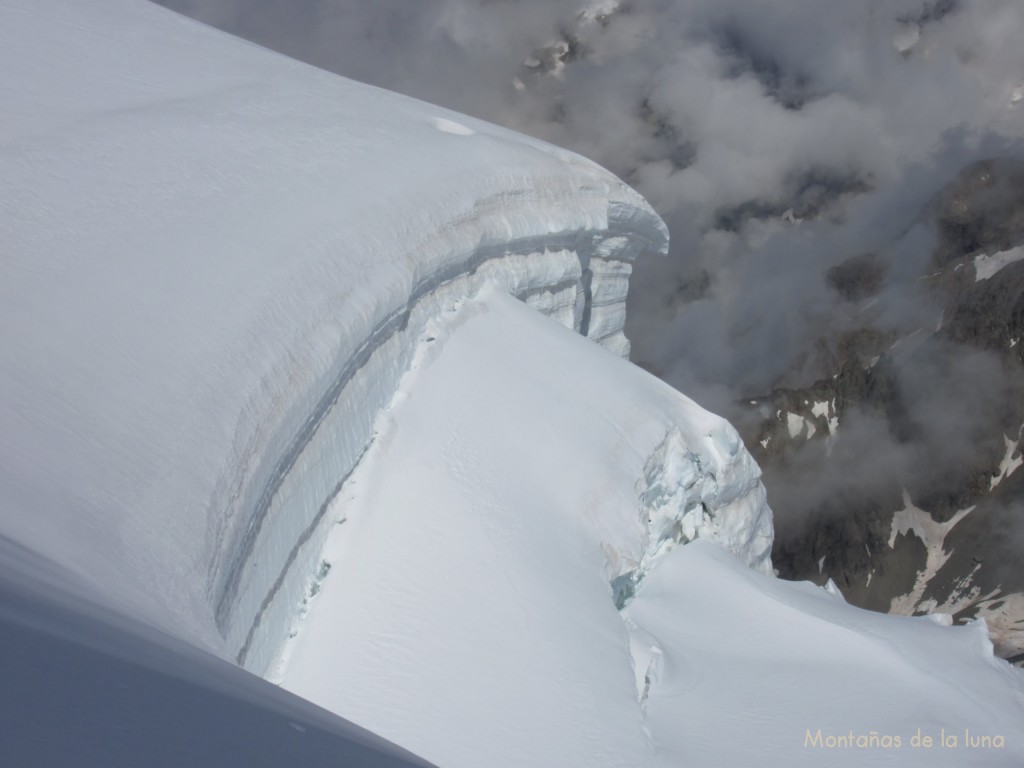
[(83, 686), (1011, 462), (469, 611), (985, 266), (217, 264), (267, 393)]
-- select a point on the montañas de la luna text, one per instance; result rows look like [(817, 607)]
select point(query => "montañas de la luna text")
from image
[(945, 739)]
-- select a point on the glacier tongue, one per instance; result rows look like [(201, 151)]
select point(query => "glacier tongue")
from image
[(689, 497)]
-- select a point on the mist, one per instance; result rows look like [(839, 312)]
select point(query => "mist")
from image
[(782, 142)]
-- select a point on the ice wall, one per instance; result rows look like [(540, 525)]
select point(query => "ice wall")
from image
[(217, 263), (266, 576)]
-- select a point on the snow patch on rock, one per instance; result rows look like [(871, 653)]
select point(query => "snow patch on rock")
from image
[(1011, 461), (985, 266), (912, 519)]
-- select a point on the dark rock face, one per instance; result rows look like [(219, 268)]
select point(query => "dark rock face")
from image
[(857, 279), (927, 426), (981, 210)]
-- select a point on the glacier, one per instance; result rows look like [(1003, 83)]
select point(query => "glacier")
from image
[(193, 207), (465, 608), (310, 380)]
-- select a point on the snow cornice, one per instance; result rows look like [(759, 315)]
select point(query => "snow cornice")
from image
[(218, 263)]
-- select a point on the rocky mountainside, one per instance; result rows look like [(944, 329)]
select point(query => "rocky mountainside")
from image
[(941, 529), (921, 510)]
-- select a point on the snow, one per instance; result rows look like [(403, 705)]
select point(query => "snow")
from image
[(1010, 463), (824, 408), (468, 614), (753, 667), (85, 687), (450, 126), (483, 530), (799, 425), (1002, 612), (932, 533), (218, 262), (269, 398), (985, 266)]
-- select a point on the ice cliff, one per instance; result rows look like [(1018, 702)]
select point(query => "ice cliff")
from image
[(218, 265)]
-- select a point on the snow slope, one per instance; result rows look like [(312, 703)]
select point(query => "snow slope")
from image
[(267, 398), (83, 686), (216, 262), (465, 610), (472, 556), (759, 670)]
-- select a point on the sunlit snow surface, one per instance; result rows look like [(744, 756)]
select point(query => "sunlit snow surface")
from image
[(216, 263), (987, 265), (267, 398), (467, 613)]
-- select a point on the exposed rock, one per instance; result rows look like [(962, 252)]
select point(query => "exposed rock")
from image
[(967, 370)]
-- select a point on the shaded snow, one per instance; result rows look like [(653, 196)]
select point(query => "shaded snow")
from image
[(258, 321), (986, 266), (1010, 463), (752, 667), (482, 532)]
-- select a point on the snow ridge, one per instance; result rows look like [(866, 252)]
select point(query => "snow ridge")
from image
[(236, 257)]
